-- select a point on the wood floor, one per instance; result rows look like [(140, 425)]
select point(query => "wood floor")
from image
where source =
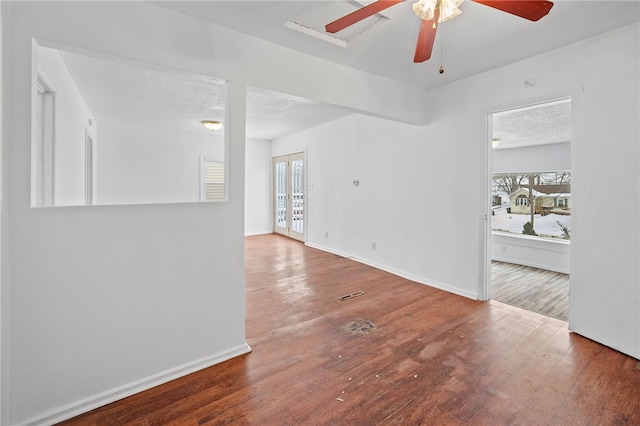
[(400, 354), (537, 290)]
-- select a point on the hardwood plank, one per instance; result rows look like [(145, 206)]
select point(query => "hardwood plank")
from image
[(537, 290), (418, 356)]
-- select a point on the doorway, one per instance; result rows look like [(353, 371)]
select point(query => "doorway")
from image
[(289, 195), (529, 228)]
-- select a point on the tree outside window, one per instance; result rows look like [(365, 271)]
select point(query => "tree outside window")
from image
[(542, 200)]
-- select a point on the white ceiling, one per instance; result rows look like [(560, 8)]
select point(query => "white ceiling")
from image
[(271, 115), (127, 92), (533, 125), (119, 91), (478, 40)]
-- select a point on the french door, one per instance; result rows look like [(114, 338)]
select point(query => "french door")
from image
[(289, 195)]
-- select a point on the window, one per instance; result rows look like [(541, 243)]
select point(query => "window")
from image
[(212, 186), (541, 198)]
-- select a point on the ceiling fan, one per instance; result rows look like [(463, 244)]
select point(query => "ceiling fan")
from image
[(433, 12)]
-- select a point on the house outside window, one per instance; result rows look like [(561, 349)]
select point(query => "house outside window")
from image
[(541, 198)]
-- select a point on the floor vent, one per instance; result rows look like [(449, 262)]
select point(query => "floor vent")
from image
[(351, 295)]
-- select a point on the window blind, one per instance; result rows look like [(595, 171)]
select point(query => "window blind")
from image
[(214, 181)]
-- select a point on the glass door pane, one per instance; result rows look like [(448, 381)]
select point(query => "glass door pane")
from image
[(280, 190), (297, 195)]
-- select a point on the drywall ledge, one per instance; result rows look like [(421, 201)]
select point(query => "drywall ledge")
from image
[(104, 398), (541, 253)]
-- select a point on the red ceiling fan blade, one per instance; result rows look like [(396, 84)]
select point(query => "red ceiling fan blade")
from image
[(426, 37), (528, 9), (359, 15)]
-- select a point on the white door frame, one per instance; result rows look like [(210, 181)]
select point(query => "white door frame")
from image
[(484, 288), (484, 285)]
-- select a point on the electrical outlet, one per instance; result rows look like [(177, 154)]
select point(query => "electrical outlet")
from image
[(326, 234), (504, 249), (373, 246)]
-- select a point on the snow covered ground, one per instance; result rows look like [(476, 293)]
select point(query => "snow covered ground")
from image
[(545, 226)]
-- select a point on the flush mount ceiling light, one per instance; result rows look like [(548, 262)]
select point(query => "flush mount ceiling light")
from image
[(212, 125)]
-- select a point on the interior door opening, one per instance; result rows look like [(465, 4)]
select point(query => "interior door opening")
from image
[(289, 195), (530, 218)]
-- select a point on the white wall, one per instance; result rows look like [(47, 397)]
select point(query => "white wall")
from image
[(541, 253), (404, 202), (605, 300), (423, 192), (258, 188), (109, 300), (140, 164), (71, 123), (106, 301), (4, 306)]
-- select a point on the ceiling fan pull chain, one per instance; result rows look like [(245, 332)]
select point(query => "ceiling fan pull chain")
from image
[(441, 70)]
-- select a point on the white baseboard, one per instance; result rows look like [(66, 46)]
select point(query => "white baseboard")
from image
[(254, 233), (421, 280), (79, 407), (330, 250)]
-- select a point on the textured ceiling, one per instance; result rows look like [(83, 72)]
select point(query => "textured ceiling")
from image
[(126, 92), (534, 125), (478, 40), (118, 91), (271, 115)]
